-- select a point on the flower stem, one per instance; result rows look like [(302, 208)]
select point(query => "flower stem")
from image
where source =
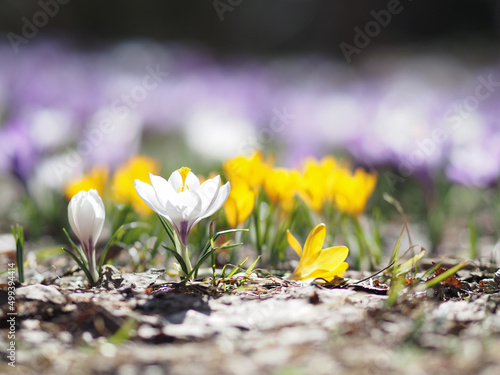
[(185, 255), (363, 243)]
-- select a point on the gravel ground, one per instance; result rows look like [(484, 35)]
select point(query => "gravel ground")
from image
[(268, 326)]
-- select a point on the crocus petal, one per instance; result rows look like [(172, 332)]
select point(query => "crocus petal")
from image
[(175, 179), (328, 274), (219, 201), (292, 241), (183, 211), (239, 205), (163, 190), (99, 215), (193, 182), (329, 259), (148, 195), (313, 245), (208, 192), (73, 209)]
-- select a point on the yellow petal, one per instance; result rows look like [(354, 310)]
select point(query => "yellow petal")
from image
[(329, 259), (137, 167), (292, 241), (328, 274), (239, 205), (96, 178), (313, 245)]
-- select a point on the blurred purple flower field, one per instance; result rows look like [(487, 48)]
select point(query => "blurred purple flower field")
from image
[(421, 116)]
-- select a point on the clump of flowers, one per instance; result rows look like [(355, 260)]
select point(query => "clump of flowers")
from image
[(329, 181), (268, 194)]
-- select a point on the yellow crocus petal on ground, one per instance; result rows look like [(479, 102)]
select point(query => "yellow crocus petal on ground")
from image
[(292, 241), (317, 262), (352, 190), (247, 169), (138, 167), (96, 179), (328, 274), (328, 259), (313, 245), (239, 205)]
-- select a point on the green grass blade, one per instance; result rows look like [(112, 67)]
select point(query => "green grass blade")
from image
[(436, 280), (238, 267), (252, 267), (83, 266), (77, 249), (179, 259)]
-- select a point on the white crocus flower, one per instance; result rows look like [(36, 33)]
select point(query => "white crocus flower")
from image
[(86, 216), (182, 200)]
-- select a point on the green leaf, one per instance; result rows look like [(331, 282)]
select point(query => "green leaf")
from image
[(126, 330), (82, 266), (168, 229), (395, 252), (77, 249), (408, 265), (252, 266), (18, 233), (238, 267), (179, 259), (436, 280)]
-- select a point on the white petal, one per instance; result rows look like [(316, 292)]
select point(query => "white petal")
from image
[(175, 180), (208, 192), (148, 195), (184, 211), (219, 201), (85, 221), (192, 181), (183, 206), (73, 208), (99, 213), (163, 190)]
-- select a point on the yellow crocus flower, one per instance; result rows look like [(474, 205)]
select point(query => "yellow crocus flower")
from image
[(239, 205), (280, 186), (314, 260), (316, 181), (247, 169), (96, 179), (352, 190), (136, 168)]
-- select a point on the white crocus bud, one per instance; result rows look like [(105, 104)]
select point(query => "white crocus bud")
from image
[(86, 216)]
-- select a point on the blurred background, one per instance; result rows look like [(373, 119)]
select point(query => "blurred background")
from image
[(408, 88)]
